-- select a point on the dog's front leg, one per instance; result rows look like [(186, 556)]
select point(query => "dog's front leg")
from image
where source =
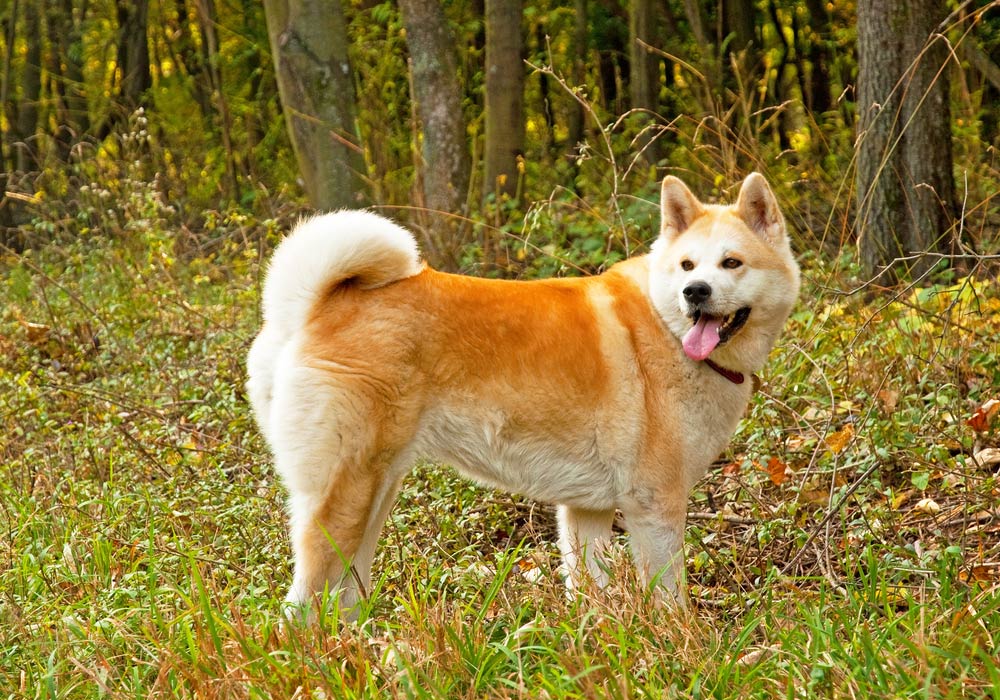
[(658, 550)]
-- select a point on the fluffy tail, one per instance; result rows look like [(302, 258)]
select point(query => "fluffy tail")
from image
[(325, 250)]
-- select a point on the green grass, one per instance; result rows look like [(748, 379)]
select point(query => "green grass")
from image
[(143, 550)]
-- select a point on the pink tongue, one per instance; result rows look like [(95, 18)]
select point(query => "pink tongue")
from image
[(700, 341)]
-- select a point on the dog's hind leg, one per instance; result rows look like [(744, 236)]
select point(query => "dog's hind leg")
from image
[(338, 448), (334, 538), (583, 537)]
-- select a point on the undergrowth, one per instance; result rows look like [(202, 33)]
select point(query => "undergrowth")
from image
[(847, 544)]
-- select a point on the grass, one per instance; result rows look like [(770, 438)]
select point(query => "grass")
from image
[(846, 546)]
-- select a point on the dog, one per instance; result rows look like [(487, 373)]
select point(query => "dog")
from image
[(596, 394)]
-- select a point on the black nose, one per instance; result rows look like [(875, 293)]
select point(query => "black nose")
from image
[(697, 292)]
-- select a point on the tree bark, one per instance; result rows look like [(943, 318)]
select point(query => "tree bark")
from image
[(904, 180), (133, 53), (644, 74), (740, 21), (309, 45), (504, 97), (818, 98), (446, 162), (26, 122), (210, 57)]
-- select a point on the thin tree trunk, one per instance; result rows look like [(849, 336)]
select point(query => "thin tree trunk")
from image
[(818, 98), (504, 97), (445, 156), (6, 104), (191, 61), (309, 44), (133, 53), (577, 117), (740, 22), (76, 89), (26, 122), (210, 53), (696, 18), (644, 74), (928, 151), (904, 180)]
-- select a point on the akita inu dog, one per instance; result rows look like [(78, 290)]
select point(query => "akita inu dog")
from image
[(597, 393)]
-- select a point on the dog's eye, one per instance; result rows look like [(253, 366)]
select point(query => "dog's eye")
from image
[(687, 265), (731, 263)]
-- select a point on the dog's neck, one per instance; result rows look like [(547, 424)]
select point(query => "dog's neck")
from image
[(732, 375)]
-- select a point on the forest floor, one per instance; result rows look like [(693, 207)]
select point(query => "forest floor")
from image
[(848, 544)]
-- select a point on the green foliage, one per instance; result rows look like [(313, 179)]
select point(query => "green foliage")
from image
[(846, 549)]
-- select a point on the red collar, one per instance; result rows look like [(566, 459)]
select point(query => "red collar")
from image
[(732, 375)]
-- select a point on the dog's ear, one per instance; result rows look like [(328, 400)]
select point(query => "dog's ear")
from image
[(757, 206), (678, 207)]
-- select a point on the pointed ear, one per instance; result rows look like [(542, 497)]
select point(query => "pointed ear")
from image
[(678, 207), (757, 206)]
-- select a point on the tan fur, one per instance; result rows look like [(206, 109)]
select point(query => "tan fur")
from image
[(571, 391)]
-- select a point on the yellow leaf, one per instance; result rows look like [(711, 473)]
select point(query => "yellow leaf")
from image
[(838, 440)]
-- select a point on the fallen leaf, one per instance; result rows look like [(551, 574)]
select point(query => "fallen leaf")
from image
[(754, 656), (987, 457), (838, 441), (928, 505), (816, 497), (777, 471), (731, 469), (980, 420), (979, 573), (889, 399), (900, 498)]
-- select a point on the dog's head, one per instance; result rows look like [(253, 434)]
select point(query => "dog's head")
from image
[(723, 277)]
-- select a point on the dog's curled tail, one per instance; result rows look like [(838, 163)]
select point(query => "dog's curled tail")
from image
[(329, 249)]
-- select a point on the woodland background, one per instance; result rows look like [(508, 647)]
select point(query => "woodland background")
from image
[(846, 545), (878, 118)]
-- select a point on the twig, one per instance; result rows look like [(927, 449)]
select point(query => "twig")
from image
[(724, 517), (828, 517)]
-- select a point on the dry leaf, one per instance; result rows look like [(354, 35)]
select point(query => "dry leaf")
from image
[(756, 655), (838, 440), (980, 573), (928, 505), (815, 496), (777, 470), (889, 399), (731, 469), (900, 498), (987, 457), (980, 420)]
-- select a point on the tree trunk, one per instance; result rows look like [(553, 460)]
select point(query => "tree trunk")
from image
[(445, 153), (740, 21), (644, 75), (577, 119), (186, 54), (73, 55), (210, 56), (818, 98), (133, 53), (904, 178), (26, 122), (696, 18), (309, 44), (504, 97)]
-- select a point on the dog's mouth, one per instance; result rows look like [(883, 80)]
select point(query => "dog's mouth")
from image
[(709, 332)]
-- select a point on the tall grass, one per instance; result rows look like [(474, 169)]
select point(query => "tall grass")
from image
[(845, 546)]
